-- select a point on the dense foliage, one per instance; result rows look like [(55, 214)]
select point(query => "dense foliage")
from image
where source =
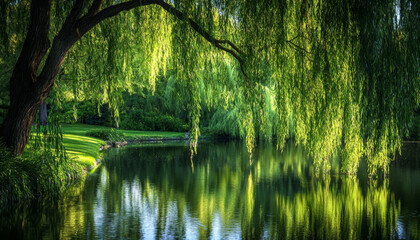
[(342, 77), (43, 170)]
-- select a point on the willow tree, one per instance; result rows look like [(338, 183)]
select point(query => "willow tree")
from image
[(28, 87), (344, 74)]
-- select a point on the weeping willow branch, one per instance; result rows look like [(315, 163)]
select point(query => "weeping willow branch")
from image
[(295, 46), (91, 19), (234, 50), (94, 16), (231, 44), (299, 48)]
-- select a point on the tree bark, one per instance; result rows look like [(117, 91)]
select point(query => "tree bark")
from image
[(24, 102), (27, 90)]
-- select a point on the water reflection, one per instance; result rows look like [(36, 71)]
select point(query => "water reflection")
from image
[(150, 192)]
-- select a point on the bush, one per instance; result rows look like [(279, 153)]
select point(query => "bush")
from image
[(42, 169), (153, 121), (107, 134), (39, 173), (160, 122), (216, 133), (134, 120)]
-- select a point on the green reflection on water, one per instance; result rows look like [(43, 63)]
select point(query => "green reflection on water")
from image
[(151, 191)]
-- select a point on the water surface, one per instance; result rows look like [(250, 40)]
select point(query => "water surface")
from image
[(155, 192)]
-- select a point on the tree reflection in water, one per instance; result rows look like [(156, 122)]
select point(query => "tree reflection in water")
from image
[(151, 192)]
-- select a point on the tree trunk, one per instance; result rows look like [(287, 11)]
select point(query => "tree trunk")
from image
[(27, 96), (24, 102), (27, 90), (17, 125), (43, 114)]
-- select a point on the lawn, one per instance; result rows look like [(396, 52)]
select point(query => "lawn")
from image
[(81, 129), (85, 150)]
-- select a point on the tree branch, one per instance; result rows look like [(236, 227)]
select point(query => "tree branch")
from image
[(231, 44), (94, 9), (76, 11), (299, 48), (87, 22), (36, 42), (91, 19), (295, 46), (234, 51)]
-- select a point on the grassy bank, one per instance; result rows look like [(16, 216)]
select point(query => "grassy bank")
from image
[(39, 173), (85, 149)]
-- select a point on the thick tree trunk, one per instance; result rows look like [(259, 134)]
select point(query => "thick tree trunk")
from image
[(26, 97), (24, 102), (17, 125), (27, 90)]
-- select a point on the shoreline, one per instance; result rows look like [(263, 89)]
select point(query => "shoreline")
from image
[(86, 151)]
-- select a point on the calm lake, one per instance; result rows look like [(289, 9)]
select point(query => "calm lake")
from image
[(154, 191)]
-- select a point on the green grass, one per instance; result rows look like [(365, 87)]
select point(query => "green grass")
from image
[(37, 173), (150, 134), (85, 150), (81, 129)]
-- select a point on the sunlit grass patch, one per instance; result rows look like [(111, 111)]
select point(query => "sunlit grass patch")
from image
[(85, 149), (82, 129)]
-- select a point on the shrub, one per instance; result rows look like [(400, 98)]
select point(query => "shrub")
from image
[(39, 173), (42, 169), (153, 121), (161, 122), (134, 120), (107, 134), (83, 112), (216, 133)]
